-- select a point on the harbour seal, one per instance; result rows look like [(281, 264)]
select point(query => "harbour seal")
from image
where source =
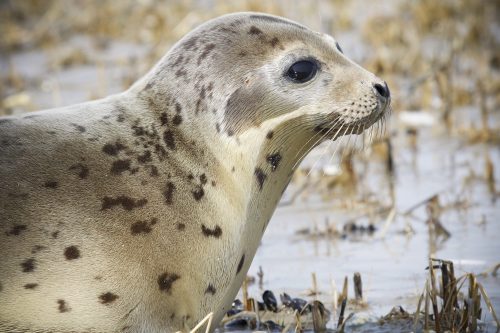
[(142, 211)]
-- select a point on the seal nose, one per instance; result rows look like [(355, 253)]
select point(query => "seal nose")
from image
[(382, 90)]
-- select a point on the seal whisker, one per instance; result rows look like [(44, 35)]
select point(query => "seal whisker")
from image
[(332, 125), (338, 145), (333, 138), (305, 144), (347, 147), (329, 124)]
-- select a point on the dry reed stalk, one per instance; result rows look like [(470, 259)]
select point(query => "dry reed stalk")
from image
[(260, 275), (319, 317), (244, 289), (340, 323), (314, 285), (452, 315), (358, 287), (490, 175), (298, 327)]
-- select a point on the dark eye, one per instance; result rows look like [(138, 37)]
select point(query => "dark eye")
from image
[(338, 47), (302, 71)]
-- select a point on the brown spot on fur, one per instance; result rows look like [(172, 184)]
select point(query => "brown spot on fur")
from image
[(120, 166), (154, 171), (254, 30), (164, 119), (140, 227), (160, 152), (71, 252), (261, 177), (275, 41), (113, 149), (177, 120), (28, 265), (108, 298), (37, 248), (210, 289), (180, 72), (208, 48), (16, 230), (81, 169), (126, 202), (79, 128), (166, 280), (243, 54), (51, 184), (181, 226), (145, 157), (198, 193), (63, 306), (30, 285), (215, 232), (274, 160), (240, 264), (168, 137), (190, 43), (178, 61), (168, 193), (198, 106), (214, 183), (55, 234)]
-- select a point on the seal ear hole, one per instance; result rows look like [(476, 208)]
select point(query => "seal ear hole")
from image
[(302, 71), (339, 48)]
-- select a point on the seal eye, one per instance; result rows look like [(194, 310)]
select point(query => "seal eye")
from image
[(339, 48), (302, 71)]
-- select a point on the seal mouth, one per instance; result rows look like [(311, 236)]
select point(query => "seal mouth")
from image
[(336, 127)]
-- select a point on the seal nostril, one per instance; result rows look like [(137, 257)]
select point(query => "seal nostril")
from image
[(382, 90)]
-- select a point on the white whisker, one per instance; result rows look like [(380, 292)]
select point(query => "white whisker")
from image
[(346, 148), (332, 126), (314, 165), (338, 145)]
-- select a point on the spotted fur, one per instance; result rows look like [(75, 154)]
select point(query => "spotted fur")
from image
[(142, 211)]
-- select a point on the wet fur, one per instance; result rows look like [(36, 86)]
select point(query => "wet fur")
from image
[(142, 212)]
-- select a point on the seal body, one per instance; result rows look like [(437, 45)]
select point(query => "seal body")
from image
[(141, 212)]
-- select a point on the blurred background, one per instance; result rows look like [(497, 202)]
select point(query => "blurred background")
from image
[(426, 185)]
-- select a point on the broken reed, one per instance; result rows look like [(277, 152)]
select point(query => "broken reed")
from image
[(450, 310)]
